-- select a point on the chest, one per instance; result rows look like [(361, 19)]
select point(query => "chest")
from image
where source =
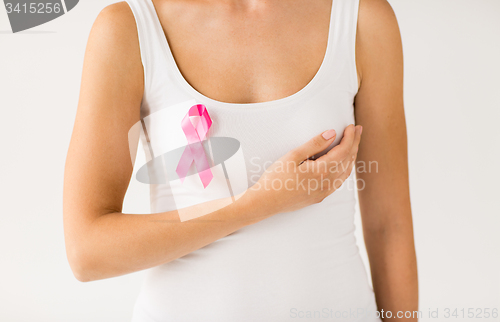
[(252, 54)]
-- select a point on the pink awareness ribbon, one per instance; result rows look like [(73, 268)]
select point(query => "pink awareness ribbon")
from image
[(194, 150)]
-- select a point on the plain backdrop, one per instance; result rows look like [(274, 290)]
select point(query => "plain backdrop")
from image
[(452, 101)]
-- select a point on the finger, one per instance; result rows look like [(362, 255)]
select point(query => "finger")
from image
[(338, 167), (315, 145), (351, 157), (339, 181), (340, 151), (357, 139)]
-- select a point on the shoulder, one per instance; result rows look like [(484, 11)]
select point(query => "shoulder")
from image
[(115, 24), (378, 35), (377, 18), (371, 11), (116, 14), (113, 47), (112, 70)]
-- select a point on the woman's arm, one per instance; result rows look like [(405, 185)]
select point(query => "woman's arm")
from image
[(103, 242), (384, 199)]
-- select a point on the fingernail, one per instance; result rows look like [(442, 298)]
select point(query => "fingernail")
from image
[(329, 134), (360, 129)]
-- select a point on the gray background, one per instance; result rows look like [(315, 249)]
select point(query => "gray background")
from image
[(452, 100)]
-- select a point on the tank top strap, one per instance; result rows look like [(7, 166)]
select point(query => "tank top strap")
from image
[(151, 38), (343, 38)]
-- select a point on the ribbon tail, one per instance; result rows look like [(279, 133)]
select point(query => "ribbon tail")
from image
[(184, 163), (206, 177), (201, 162)]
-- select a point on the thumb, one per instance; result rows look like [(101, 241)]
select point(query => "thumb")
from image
[(315, 145)]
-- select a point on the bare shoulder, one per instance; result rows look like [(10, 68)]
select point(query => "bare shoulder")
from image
[(112, 67), (116, 18), (113, 40), (112, 83), (376, 12), (378, 34), (115, 28)]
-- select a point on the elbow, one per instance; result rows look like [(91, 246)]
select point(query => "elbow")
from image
[(80, 264), (81, 275), (81, 252)]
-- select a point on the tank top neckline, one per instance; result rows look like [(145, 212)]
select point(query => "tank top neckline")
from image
[(308, 88)]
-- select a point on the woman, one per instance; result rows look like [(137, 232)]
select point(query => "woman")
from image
[(286, 79)]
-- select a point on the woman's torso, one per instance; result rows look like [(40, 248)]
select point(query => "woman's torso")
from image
[(288, 266)]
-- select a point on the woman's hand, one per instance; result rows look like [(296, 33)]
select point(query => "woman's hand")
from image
[(295, 181)]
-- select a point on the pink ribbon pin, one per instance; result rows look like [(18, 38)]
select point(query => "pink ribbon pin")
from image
[(194, 151)]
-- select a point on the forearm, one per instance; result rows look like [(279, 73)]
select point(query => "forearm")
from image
[(116, 243), (394, 270)]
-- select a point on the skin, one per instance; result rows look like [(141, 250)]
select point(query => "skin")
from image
[(385, 201), (103, 242)]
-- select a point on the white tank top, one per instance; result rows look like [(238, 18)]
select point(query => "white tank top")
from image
[(302, 265)]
